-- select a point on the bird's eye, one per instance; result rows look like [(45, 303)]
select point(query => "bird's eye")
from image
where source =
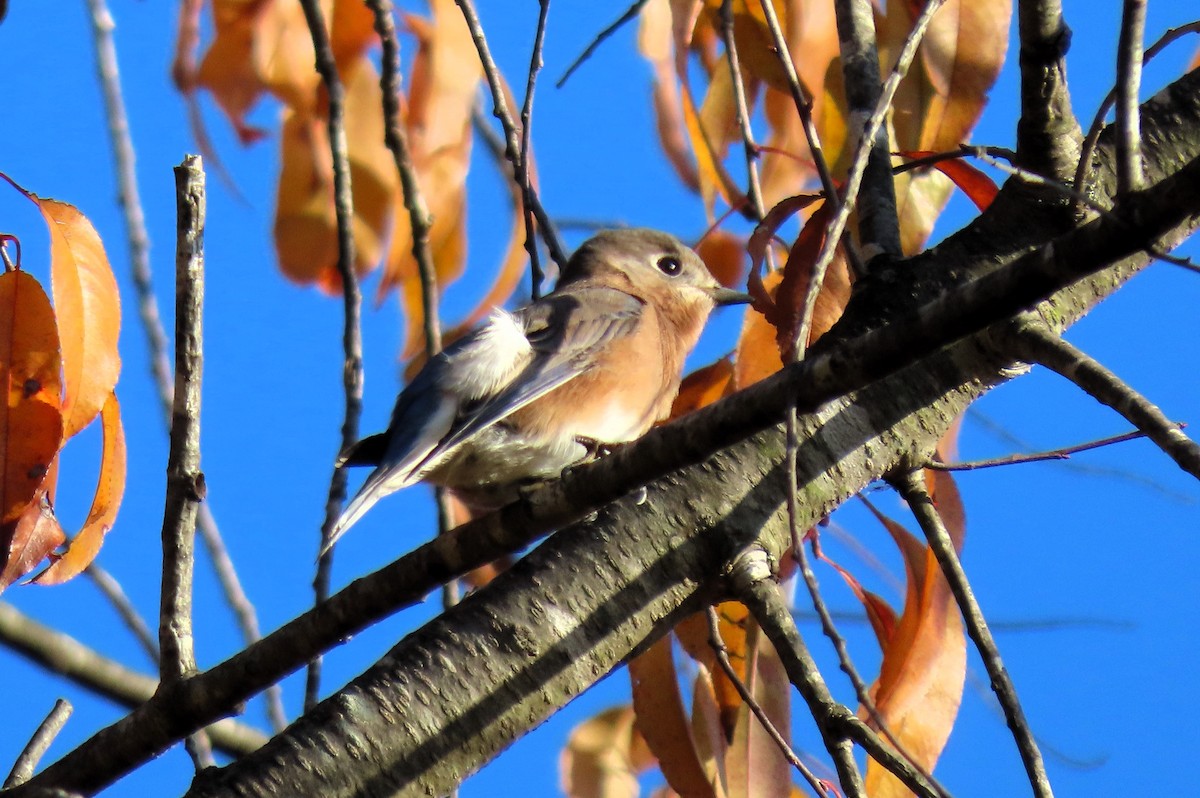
[(670, 265)]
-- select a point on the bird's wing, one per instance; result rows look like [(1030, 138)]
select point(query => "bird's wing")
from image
[(566, 330), (423, 414)]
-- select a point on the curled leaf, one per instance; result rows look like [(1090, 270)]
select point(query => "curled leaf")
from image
[(110, 488)]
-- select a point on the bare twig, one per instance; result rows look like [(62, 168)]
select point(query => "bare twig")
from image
[(912, 487), (1013, 459), (742, 108), (603, 35), (512, 146), (37, 746), (352, 368), (129, 200), (837, 223), (878, 219), (397, 141), (111, 589), (1035, 344), (84, 666), (185, 481), (152, 326), (804, 110), (1093, 136), (1129, 81), (722, 655), (524, 177)]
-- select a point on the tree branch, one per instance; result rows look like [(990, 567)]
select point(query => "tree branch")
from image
[(507, 657), (1048, 134)]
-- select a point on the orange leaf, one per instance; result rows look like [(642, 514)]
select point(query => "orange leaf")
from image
[(879, 612), (924, 665), (703, 387), (797, 273), (655, 43), (978, 187), (305, 221), (757, 357), (603, 756), (662, 720), (109, 490), (31, 420), (725, 256), (88, 309), (25, 542), (693, 634)]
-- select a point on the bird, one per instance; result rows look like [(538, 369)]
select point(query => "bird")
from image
[(592, 364)]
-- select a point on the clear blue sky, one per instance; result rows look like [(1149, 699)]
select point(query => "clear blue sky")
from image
[(1109, 539)]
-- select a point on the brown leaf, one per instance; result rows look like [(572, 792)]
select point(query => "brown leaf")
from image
[(663, 722), (924, 664), (725, 256), (110, 488), (755, 765), (305, 221), (603, 756), (693, 634), (27, 541), (31, 419), (937, 105), (656, 43)]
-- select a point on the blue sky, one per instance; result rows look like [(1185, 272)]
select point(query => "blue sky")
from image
[(1105, 545)]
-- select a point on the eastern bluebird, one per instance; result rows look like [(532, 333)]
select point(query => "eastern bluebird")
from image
[(595, 362)]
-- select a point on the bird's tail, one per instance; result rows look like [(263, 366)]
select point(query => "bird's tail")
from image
[(373, 490)]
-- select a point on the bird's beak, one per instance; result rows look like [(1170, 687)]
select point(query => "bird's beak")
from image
[(727, 296)]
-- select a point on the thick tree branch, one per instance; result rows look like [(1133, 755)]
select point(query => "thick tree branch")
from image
[(580, 604)]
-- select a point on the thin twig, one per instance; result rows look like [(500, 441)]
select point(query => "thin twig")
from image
[(722, 655), (804, 110), (912, 487), (64, 655), (124, 161), (524, 177), (601, 37), (1129, 81), (742, 108), (878, 219), (111, 589), (352, 365), (1035, 344), (39, 743), (396, 139), (1056, 454), (185, 481), (985, 154), (1093, 136), (837, 224), (512, 145), (156, 337)]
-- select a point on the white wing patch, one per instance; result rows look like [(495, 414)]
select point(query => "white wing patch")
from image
[(489, 363)]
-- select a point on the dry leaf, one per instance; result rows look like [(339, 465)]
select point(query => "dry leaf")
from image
[(663, 722), (28, 540), (603, 756), (110, 488), (31, 418)]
